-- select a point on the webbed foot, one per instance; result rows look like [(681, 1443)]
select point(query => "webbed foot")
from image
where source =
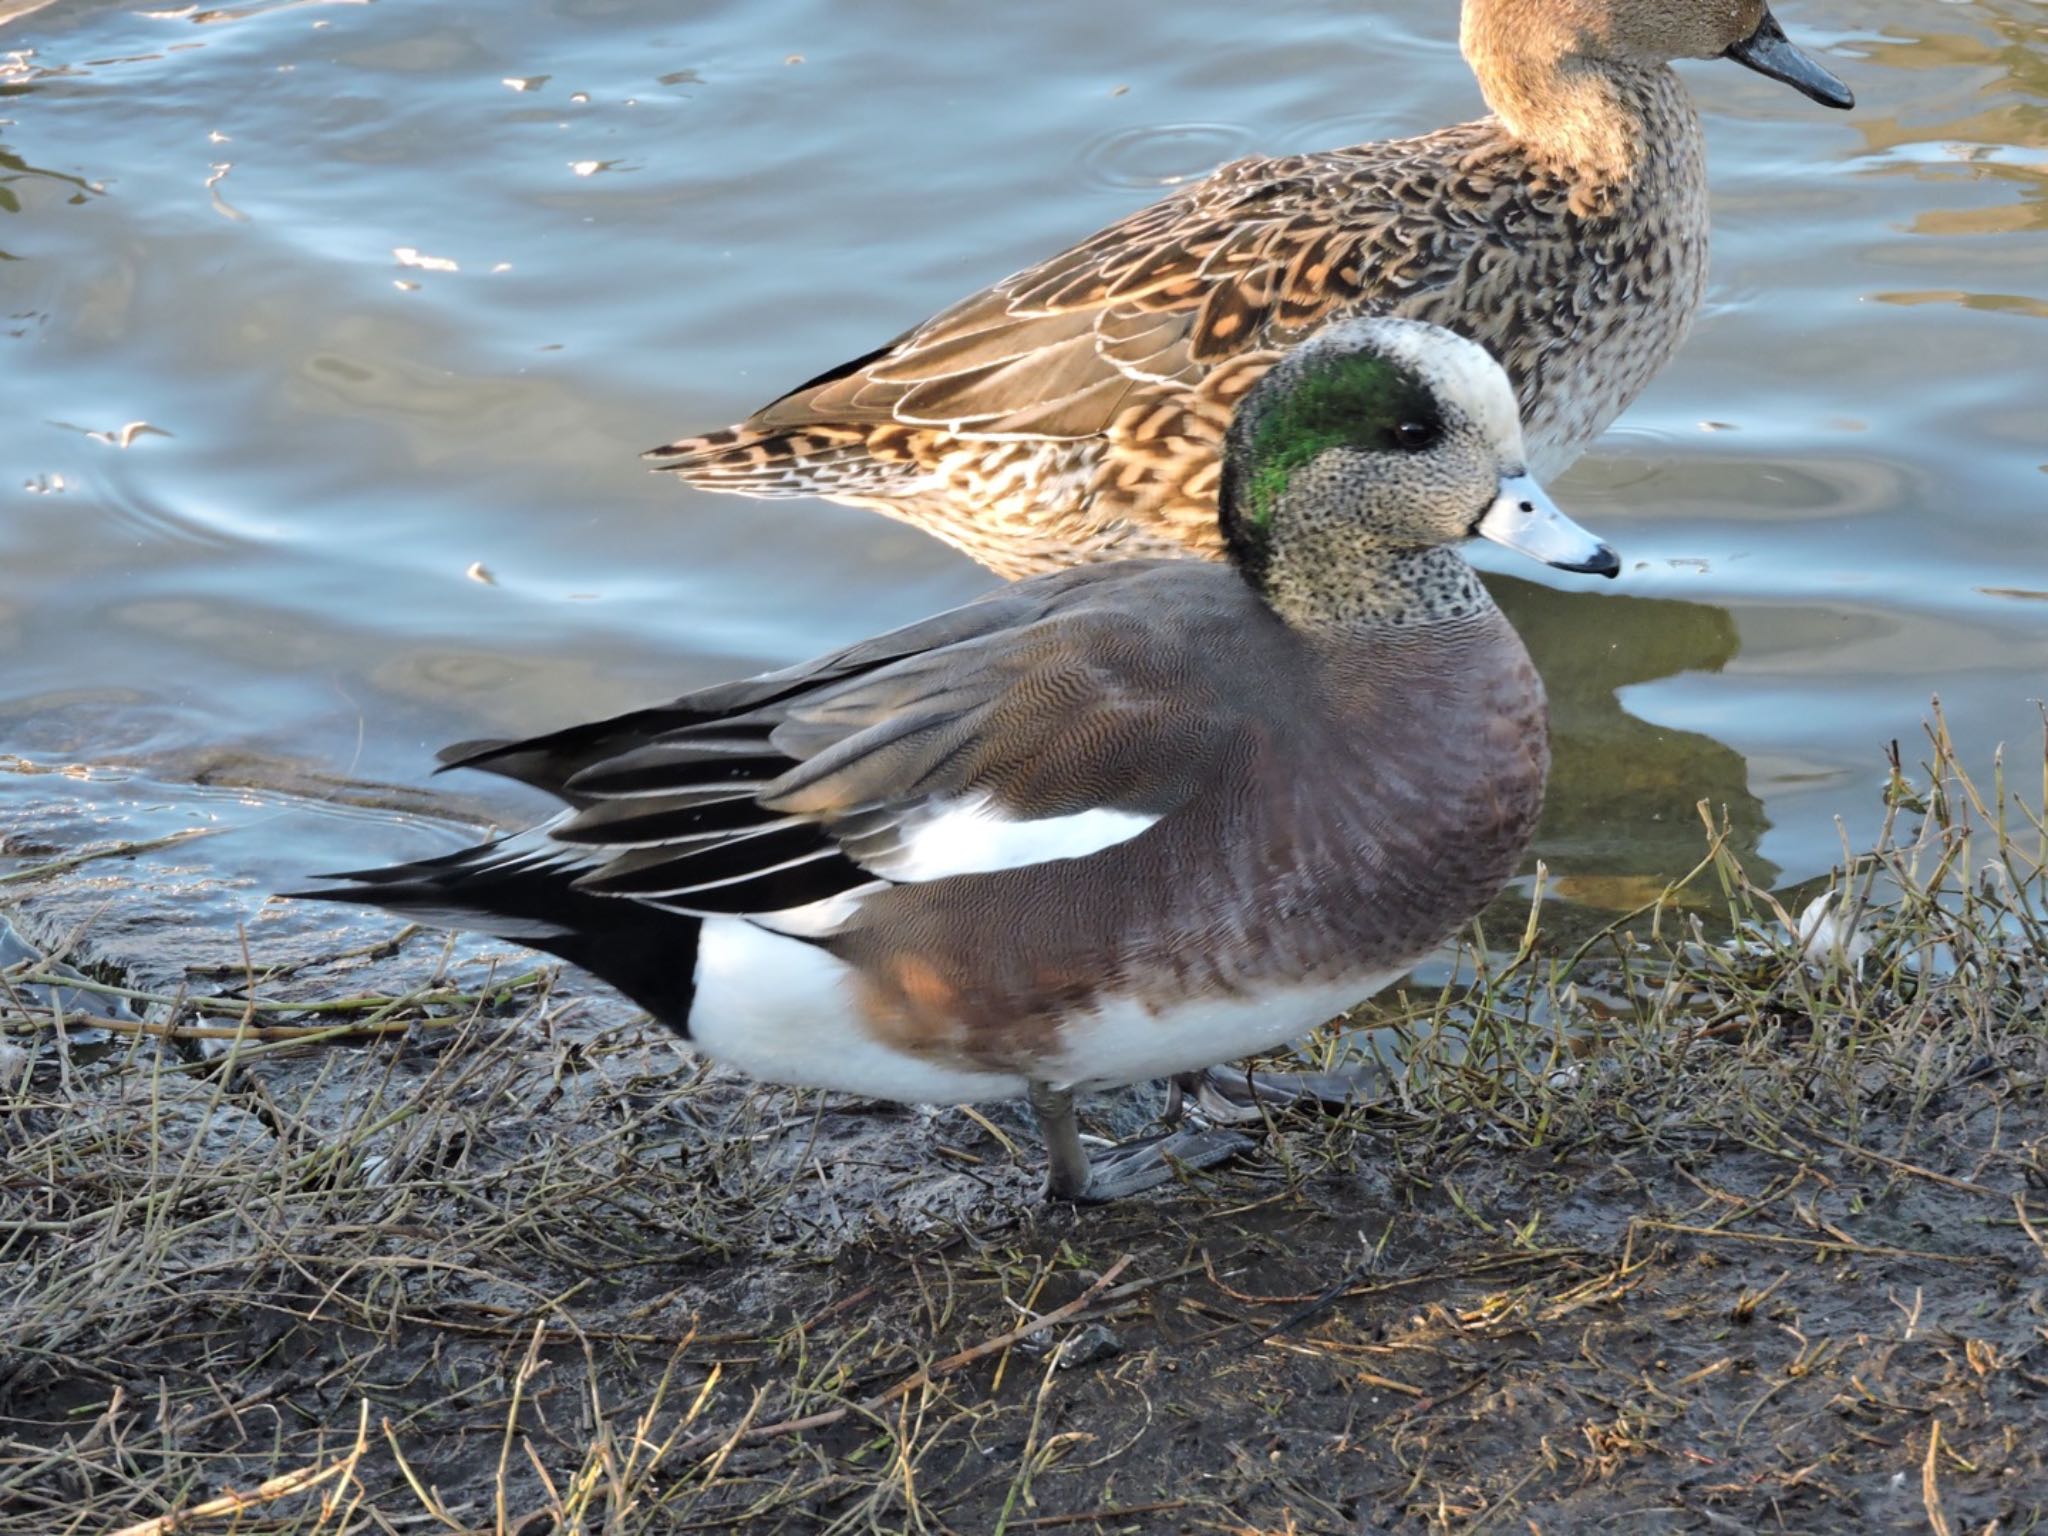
[(1239, 1095), (1132, 1166)]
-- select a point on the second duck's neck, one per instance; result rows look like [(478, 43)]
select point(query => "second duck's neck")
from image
[(1598, 123), (1349, 589)]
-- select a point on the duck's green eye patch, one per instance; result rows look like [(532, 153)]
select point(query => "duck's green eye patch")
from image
[(1355, 400)]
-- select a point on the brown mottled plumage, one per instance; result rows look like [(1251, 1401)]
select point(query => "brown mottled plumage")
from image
[(1074, 411), (1105, 825)]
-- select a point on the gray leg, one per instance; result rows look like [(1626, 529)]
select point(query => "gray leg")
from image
[(1067, 1160), (1121, 1170), (1180, 1091)]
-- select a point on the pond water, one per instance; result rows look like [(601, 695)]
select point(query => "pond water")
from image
[(332, 332)]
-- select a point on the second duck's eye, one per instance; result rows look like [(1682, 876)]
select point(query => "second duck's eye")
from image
[(1416, 435)]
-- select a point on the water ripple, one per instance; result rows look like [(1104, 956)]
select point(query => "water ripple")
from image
[(1163, 155)]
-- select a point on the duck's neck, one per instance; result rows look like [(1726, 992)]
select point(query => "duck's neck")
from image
[(1345, 591), (1597, 123)]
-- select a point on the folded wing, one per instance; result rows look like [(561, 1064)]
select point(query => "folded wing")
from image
[(1046, 721)]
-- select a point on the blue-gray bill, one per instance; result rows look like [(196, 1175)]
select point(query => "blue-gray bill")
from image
[(1524, 518), (1769, 51)]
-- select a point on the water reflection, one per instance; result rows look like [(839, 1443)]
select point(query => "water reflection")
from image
[(287, 574), (2006, 142), (15, 170), (1611, 769), (13, 10)]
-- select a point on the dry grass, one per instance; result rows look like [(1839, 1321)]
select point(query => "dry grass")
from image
[(1685, 1227)]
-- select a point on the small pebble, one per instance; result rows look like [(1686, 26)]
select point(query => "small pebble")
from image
[(1094, 1343)]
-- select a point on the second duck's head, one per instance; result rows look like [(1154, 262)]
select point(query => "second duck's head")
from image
[(1362, 457), (1644, 32)]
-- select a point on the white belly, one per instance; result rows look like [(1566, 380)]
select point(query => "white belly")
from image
[(784, 1011), (1122, 1040)]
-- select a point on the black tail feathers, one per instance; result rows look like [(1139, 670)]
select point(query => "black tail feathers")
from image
[(646, 952)]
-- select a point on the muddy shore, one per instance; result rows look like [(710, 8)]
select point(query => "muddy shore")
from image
[(320, 1226)]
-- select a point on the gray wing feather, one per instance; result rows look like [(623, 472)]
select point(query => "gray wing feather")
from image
[(1071, 693)]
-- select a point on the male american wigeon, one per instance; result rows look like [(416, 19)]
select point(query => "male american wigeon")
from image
[(1105, 825)]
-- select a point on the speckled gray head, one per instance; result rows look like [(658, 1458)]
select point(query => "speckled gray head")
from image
[(1379, 438)]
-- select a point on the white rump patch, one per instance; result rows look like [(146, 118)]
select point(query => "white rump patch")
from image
[(969, 837), (785, 1011)]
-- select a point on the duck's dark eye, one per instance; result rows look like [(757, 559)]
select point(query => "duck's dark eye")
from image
[(1417, 435)]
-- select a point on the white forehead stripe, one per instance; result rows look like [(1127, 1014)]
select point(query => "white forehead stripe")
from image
[(1463, 374), (1459, 372)]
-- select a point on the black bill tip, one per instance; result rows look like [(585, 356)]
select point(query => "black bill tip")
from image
[(1602, 562), (1770, 52)]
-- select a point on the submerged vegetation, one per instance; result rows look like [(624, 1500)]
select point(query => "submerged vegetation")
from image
[(1730, 1216)]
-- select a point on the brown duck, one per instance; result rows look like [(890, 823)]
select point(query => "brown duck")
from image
[(1074, 411), (1101, 826)]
